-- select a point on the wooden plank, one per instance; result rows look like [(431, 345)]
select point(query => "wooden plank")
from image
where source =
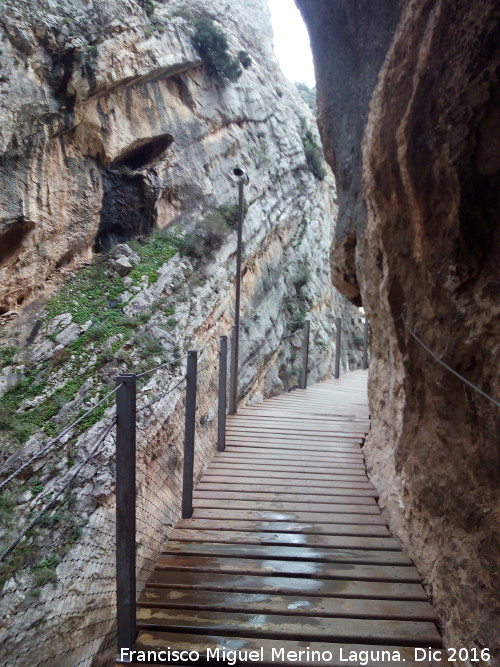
[(292, 605), (318, 445), (326, 468), (321, 485), (286, 527), (276, 626), (317, 570), (296, 434), (243, 453), (353, 425), (301, 516), (293, 444), (293, 652), (264, 505), (286, 552), (289, 425), (381, 590), (284, 497), (307, 416), (331, 477), (250, 537), (310, 491)]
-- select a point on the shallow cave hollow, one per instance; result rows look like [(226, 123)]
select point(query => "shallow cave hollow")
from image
[(128, 203)]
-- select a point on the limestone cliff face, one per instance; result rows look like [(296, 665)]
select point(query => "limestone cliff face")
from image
[(419, 196), (111, 127)]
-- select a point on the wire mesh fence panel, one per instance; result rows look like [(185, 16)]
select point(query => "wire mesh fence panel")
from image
[(58, 509), (207, 400), (289, 362), (269, 366), (160, 439), (60, 576)]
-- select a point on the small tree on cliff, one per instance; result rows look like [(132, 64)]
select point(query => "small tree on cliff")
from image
[(212, 47)]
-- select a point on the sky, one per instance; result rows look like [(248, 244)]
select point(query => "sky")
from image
[(291, 42)]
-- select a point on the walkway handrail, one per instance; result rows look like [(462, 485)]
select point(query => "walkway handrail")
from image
[(444, 364)]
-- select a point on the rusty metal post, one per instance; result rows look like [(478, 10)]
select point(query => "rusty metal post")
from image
[(233, 374), (221, 424), (365, 346), (125, 511), (189, 434), (305, 354), (338, 323), (235, 340)]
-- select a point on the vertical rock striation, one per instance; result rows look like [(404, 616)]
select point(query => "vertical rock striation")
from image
[(419, 177)]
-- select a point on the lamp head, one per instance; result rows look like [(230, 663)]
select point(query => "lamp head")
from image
[(241, 175)]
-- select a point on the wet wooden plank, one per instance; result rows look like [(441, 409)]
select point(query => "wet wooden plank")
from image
[(310, 491), (321, 485), (241, 453), (364, 499), (280, 627), (338, 476), (289, 425), (294, 444), (301, 516), (308, 487), (318, 570), (276, 506), (266, 411), (296, 434), (287, 552), (292, 605), (290, 652), (322, 444), (381, 590), (346, 528), (284, 467), (251, 537)]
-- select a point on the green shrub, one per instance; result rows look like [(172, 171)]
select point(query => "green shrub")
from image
[(7, 355), (358, 339), (301, 278), (313, 153), (230, 213), (244, 59), (212, 47), (308, 95), (148, 7), (147, 345), (208, 236), (45, 571)]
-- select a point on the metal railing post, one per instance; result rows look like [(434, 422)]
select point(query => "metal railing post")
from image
[(125, 511), (235, 338), (233, 374), (221, 424), (365, 346), (189, 434), (305, 354), (338, 322)]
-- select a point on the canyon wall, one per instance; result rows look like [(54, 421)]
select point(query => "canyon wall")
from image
[(409, 110), (113, 131)]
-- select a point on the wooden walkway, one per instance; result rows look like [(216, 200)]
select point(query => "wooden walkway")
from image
[(287, 549)]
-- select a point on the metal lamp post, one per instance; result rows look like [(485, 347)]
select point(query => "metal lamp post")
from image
[(242, 177)]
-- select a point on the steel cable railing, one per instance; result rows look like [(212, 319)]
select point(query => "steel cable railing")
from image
[(170, 421), (414, 335)]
